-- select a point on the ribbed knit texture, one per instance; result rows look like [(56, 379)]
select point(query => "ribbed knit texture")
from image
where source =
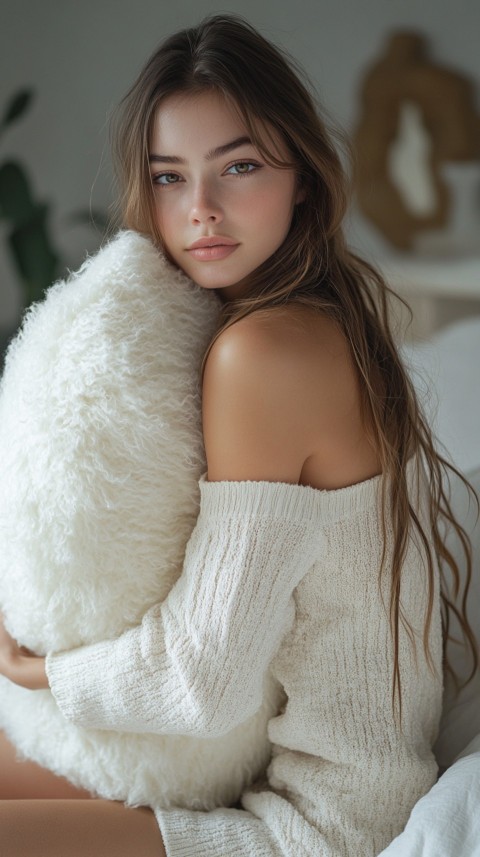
[(281, 576)]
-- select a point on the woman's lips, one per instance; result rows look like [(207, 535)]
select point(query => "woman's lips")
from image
[(217, 251)]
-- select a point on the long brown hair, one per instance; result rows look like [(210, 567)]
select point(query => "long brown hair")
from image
[(313, 267)]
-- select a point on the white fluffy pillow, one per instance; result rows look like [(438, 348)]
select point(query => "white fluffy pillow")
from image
[(101, 450), (445, 822)]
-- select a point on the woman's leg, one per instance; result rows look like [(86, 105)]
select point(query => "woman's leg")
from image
[(26, 780), (42, 815), (77, 828)]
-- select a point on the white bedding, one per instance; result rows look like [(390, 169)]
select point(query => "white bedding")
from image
[(446, 821), (446, 373)]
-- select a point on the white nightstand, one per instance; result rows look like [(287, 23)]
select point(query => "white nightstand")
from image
[(438, 290)]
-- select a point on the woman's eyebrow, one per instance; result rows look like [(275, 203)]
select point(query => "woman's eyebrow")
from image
[(210, 156)]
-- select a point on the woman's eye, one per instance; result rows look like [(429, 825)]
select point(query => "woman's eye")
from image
[(166, 178), (243, 168)]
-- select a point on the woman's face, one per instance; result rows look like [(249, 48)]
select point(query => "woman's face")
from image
[(212, 186)]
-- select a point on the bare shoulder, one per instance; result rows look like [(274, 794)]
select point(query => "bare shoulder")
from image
[(275, 384), (274, 341), (282, 338)]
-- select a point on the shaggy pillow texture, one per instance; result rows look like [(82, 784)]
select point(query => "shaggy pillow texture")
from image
[(101, 450)]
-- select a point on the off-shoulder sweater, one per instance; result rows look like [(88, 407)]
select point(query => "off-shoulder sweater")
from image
[(282, 577)]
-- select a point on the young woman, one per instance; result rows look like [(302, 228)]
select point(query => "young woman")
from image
[(316, 552)]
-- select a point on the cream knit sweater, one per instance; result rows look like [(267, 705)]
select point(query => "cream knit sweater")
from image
[(287, 576)]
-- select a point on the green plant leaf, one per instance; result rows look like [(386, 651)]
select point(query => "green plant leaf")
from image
[(16, 201), (16, 106), (34, 255)]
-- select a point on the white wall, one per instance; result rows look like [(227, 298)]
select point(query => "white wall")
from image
[(82, 56)]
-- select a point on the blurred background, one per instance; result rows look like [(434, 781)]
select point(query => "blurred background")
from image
[(78, 59)]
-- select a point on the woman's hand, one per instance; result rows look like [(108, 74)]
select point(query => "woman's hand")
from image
[(20, 665)]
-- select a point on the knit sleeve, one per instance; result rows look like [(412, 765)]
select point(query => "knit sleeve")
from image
[(196, 664)]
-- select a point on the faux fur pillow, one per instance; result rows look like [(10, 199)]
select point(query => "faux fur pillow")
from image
[(101, 451)]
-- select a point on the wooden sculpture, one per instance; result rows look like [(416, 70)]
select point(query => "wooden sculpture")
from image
[(415, 116)]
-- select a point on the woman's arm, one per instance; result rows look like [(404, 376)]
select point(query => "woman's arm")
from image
[(197, 663)]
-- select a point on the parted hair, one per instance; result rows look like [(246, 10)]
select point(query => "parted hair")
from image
[(313, 266)]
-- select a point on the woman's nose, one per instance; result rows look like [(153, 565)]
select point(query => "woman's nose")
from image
[(205, 206)]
